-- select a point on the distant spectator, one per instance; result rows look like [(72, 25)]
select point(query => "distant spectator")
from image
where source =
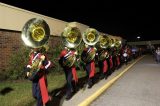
[(125, 55), (158, 55)]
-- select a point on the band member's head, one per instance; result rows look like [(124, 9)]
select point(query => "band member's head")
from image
[(35, 49), (31, 52), (66, 48), (45, 47), (91, 46), (86, 46)]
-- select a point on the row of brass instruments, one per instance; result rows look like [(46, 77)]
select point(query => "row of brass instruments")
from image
[(36, 32), (72, 38)]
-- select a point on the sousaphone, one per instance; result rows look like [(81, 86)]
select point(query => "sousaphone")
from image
[(90, 37), (71, 37), (104, 43), (35, 34), (118, 42)]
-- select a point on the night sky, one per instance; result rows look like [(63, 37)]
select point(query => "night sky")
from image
[(125, 19)]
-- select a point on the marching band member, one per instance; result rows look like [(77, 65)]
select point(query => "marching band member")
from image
[(70, 72), (103, 64), (38, 77), (90, 66), (116, 58), (110, 61)]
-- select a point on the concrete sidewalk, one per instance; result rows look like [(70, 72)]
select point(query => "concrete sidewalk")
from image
[(85, 93)]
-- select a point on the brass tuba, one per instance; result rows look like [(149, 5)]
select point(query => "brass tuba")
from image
[(118, 42), (112, 41), (90, 37), (71, 37), (104, 43), (35, 34)]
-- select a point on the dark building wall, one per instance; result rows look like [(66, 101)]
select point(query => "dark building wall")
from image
[(10, 42)]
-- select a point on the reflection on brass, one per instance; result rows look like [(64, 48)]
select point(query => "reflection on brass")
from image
[(90, 36), (71, 37), (35, 33)]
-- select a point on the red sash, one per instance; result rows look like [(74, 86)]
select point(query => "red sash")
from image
[(63, 53), (74, 74), (118, 60), (44, 91), (30, 59), (105, 66), (111, 62), (92, 71)]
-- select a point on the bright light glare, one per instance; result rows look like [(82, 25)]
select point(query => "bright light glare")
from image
[(138, 37)]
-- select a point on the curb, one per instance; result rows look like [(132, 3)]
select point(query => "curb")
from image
[(90, 99)]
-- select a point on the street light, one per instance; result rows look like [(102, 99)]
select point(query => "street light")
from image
[(138, 37)]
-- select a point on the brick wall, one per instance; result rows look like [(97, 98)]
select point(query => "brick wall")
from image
[(10, 42)]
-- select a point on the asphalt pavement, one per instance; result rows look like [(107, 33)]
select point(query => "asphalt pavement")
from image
[(139, 86), (86, 95)]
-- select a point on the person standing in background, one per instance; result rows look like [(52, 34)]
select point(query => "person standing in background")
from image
[(158, 54)]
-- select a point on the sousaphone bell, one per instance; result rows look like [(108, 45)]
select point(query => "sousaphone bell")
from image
[(35, 33)]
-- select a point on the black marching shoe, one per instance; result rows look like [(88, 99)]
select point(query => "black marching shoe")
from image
[(101, 77), (106, 76), (89, 86), (69, 94), (68, 97)]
